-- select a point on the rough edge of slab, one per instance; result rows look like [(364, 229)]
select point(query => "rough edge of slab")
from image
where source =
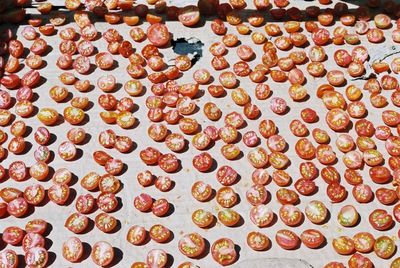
[(274, 263)]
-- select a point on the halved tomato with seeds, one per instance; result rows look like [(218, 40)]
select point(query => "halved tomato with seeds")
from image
[(32, 240), (343, 245), (102, 253), (191, 245), (136, 235), (76, 223), (201, 191), (105, 222), (223, 251), (36, 226), (336, 192), (287, 239), (257, 241), (312, 238), (72, 249), (13, 235), (380, 220)]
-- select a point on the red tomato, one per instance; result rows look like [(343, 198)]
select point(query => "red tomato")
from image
[(362, 193), (386, 196), (102, 253), (287, 196), (343, 245), (337, 119), (32, 240), (136, 235), (312, 238), (363, 242), (168, 162), (257, 195), (305, 186), (150, 155), (72, 249), (336, 192), (8, 258), (13, 235), (85, 203), (380, 219), (17, 207), (257, 241), (384, 247), (36, 257), (226, 175), (158, 34), (189, 15), (143, 202), (160, 207), (223, 251), (156, 258), (58, 193), (290, 215), (287, 239), (320, 36), (191, 245)]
